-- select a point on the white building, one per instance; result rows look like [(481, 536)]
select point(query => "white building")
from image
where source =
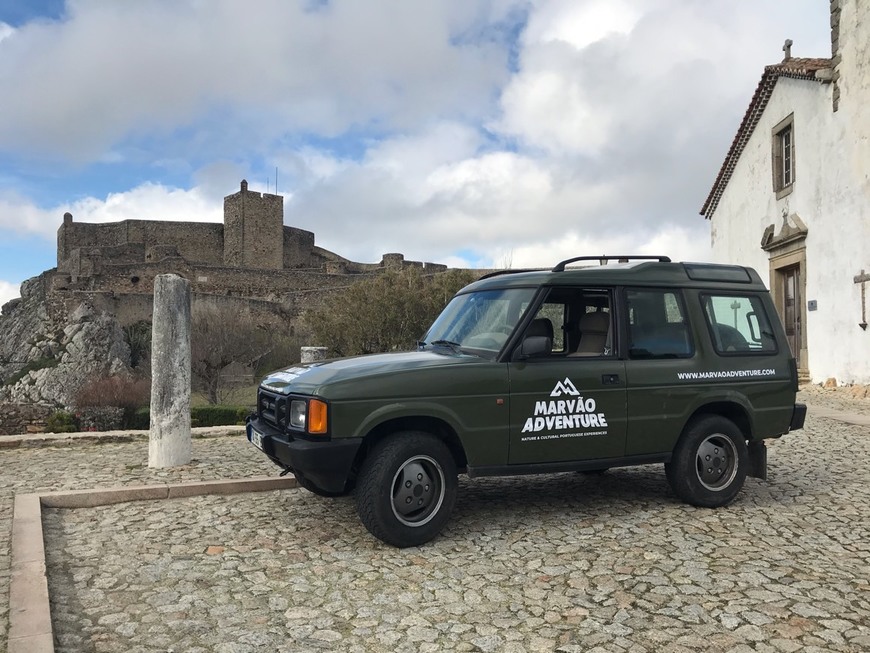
[(793, 198)]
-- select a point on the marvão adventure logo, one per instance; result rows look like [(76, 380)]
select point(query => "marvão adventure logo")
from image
[(565, 414)]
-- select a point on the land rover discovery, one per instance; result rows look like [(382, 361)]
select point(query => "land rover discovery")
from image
[(626, 361)]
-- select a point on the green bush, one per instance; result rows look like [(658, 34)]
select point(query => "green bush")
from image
[(128, 394), (218, 415), (61, 422), (211, 415), (140, 419)]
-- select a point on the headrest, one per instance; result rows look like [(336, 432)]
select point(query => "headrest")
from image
[(597, 322), (541, 327)]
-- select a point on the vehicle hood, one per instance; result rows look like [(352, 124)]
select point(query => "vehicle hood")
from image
[(312, 378)]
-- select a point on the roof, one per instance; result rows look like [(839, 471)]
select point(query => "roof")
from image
[(796, 68), (635, 273)]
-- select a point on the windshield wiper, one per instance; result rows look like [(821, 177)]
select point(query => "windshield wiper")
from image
[(447, 343)]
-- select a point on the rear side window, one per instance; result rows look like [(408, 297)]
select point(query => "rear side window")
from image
[(657, 325), (738, 324)]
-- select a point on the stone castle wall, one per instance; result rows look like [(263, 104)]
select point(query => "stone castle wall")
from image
[(252, 262)]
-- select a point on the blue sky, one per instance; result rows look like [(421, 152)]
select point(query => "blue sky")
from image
[(469, 132)]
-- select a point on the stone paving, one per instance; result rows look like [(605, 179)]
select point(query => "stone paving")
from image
[(563, 562)]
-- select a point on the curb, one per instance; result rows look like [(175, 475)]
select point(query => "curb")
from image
[(30, 629), (101, 437)]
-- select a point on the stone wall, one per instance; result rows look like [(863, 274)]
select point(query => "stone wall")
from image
[(23, 418)]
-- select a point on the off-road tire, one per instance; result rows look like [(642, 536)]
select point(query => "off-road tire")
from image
[(406, 488), (709, 463)]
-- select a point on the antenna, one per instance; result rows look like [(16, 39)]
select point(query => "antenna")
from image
[(276, 180)]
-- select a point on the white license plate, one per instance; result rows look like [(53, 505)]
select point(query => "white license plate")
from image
[(257, 439)]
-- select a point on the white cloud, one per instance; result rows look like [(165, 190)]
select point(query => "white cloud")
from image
[(115, 70), (8, 291), (145, 202), (5, 30)]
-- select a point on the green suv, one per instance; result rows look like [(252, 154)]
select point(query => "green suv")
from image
[(629, 361)]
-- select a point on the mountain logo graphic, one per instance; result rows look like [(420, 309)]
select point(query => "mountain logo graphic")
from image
[(564, 388)]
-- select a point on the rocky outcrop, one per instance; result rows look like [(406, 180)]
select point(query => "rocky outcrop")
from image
[(48, 352)]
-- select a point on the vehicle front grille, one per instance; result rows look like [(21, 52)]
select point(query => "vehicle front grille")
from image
[(273, 408)]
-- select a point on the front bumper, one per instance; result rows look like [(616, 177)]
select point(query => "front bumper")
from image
[(326, 464)]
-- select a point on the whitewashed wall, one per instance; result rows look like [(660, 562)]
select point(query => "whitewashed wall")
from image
[(831, 195)]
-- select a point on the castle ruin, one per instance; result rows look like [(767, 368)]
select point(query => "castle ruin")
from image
[(252, 261)]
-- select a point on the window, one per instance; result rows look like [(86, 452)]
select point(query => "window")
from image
[(738, 324), (657, 325), (579, 320), (783, 157)]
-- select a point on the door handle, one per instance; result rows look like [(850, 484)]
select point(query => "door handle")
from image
[(610, 379)]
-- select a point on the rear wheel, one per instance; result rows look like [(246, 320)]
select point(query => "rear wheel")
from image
[(407, 488), (709, 463)]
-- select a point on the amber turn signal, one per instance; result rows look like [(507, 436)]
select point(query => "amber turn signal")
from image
[(317, 423)]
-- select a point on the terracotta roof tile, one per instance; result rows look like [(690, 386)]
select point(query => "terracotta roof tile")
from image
[(797, 68)]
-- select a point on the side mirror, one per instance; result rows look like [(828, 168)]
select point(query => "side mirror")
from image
[(534, 346)]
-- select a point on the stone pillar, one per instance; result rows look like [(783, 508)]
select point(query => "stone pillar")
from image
[(169, 442), (312, 354)]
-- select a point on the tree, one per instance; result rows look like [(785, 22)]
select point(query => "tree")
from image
[(218, 340), (389, 311)]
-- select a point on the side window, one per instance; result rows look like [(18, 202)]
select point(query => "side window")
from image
[(554, 313), (657, 324), (578, 320), (738, 324)]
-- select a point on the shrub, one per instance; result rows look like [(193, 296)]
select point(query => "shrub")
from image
[(218, 415), (61, 422), (101, 418), (140, 420), (138, 337), (115, 391)]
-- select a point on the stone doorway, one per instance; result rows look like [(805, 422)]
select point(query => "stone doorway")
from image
[(788, 267)]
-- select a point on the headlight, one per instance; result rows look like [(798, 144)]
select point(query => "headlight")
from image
[(310, 416), (298, 410)]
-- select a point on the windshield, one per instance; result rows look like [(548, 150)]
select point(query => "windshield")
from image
[(481, 321)]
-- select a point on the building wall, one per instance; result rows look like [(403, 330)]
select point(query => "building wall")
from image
[(831, 196)]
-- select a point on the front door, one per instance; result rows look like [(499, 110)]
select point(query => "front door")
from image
[(568, 403), (791, 319)]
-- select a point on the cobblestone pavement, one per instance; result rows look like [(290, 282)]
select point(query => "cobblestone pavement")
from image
[(563, 562)]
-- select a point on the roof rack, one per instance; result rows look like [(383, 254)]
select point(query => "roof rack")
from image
[(498, 273), (602, 259)]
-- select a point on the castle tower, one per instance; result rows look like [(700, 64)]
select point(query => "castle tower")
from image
[(254, 230)]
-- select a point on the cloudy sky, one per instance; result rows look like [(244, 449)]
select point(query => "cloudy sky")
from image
[(470, 132)]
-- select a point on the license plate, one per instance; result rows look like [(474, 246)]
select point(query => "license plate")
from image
[(257, 439)]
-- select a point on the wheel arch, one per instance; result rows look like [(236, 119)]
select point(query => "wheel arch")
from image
[(424, 423), (730, 410)]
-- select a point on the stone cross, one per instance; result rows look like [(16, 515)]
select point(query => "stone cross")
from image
[(862, 279), (786, 47), (169, 444)]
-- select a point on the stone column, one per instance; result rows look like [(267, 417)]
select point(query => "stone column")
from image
[(169, 444), (312, 354)]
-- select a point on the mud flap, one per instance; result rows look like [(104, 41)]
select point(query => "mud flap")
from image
[(757, 460)]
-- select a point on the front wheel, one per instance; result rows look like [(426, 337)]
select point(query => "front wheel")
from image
[(709, 463), (407, 488)]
